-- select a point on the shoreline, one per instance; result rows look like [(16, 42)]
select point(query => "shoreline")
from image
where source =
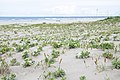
[(49, 21)]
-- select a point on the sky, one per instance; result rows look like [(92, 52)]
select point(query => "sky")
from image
[(59, 7)]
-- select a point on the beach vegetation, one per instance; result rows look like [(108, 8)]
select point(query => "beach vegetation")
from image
[(73, 44), (48, 60), (4, 49), (116, 63), (4, 67), (9, 77), (104, 46), (107, 55), (55, 53), (14, 62), (25, 55), (83, 78), (56, 44), (59, 73), (83, 54), (28, 62)]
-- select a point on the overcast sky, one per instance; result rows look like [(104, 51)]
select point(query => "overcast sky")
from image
[(59, 7)]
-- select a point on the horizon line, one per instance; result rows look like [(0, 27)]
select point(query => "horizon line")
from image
[(59, 16)]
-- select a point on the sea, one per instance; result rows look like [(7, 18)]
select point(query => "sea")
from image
[(32, 20)]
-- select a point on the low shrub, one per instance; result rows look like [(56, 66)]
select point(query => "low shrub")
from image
[(48, 60), (19, 48), (4, 67), (28, 62), (14, 45), (56, 44), (39, 48), (35, 53), (93, 44), (14, 62), (25, 55), (73, 44), (82, 78), (116, 63), (9, 77), (33, 44), (107, 55), (59, 73), (104, 46), (83, 54), (106, 38), (4, 49), (55, 53)]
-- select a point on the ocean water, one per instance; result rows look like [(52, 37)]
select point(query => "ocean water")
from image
[(11, 20)]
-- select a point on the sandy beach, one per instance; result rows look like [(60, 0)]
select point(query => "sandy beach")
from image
[(60, 50)]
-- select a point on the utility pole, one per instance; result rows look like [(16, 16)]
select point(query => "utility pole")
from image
[(97, 12)]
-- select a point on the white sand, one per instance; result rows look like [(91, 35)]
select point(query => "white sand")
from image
[(73, 67)]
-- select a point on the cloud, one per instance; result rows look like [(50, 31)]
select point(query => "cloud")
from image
[(58, 7)]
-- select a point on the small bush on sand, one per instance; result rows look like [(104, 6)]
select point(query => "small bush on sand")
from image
[(73, 44), (9, 77), (35, 53), (4, 49), (39, 48), (25, 55), (19, 48), (59, 73), (48, 60), (55, 53), (33, 44), (116, 63), (28, 62), (56, 44), (104, 46), (107, 55), (14, 62), (106, 38), (83, 54), (82, 78), (4, 67)]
